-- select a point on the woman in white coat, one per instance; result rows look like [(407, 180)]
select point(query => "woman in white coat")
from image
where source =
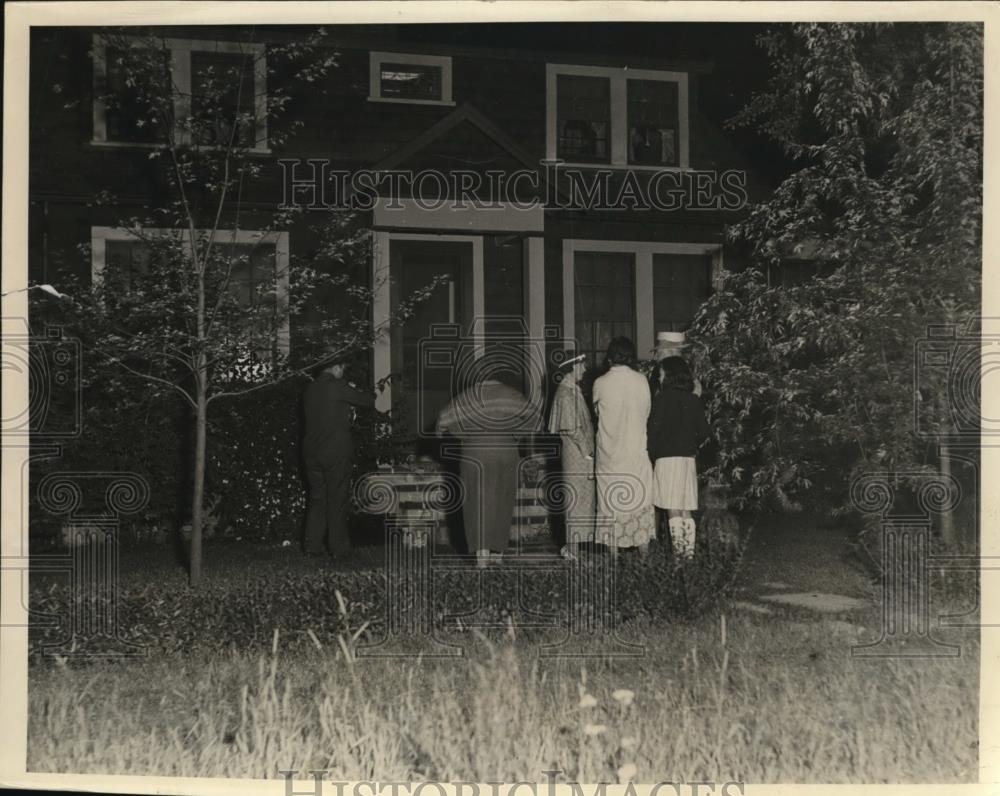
[(626, 516)]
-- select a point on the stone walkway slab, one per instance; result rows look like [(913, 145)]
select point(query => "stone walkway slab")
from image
[(817, 601)]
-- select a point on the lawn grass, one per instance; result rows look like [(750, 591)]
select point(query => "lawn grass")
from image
[(775, 697), (782, 700)]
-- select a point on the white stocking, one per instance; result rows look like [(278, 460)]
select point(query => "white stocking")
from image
[(682, 532)]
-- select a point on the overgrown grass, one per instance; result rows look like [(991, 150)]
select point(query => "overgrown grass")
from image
[(768, 701)]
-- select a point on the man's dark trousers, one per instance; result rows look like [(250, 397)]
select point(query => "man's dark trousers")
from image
[(327, 451), (329, 485)]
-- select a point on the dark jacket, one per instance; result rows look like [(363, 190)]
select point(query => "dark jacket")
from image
[(327, 404), (677, 424)]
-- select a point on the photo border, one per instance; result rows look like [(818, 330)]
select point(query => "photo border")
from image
[(20, 16)]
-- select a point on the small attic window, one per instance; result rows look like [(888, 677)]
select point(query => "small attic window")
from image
[(404, 77)]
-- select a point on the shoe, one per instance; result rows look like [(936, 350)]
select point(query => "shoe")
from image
[(568, 554)]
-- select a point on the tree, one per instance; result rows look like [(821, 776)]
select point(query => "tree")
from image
[(882, 125), (188, 302)]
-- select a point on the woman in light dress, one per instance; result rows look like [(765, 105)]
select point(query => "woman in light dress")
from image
[(626, 517), (570, 419)]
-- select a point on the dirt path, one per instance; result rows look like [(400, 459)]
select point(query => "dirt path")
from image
[(793, 562)]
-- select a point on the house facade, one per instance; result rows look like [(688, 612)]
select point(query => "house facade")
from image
[(559, 199)]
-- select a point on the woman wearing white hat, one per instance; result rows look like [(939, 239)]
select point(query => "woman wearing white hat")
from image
[(671, 344), (570, 419)]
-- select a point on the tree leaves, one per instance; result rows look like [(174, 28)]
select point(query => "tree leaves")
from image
[(884, 124)]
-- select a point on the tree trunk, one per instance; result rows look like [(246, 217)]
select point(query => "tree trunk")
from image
[(198, 498), (201, 420)]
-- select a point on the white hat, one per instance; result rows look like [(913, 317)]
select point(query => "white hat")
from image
[(669, 342), (572, 360)]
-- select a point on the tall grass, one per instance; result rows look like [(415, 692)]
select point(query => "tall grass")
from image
[(759, 702)]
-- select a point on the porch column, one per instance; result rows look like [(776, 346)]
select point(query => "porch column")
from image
[(534, 315), (381, 310), (644, 324)]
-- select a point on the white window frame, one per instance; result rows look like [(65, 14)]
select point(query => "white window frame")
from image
[(376, 59), (642, 253), (180, 69), (99, 236), (618, 113)]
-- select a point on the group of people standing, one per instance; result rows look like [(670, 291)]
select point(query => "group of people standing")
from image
[(639, 458)]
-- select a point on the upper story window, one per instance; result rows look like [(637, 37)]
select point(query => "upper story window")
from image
[(205, 93), (402, 77), (583, 118), (617, 116)]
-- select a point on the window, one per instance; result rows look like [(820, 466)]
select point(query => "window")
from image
[(604, 299), (222, 85), (633, 288), (222, 96), (129, 114), (681, 282), (616, 116), (584, 118), (253, 264), (402, 77), (652, 122)]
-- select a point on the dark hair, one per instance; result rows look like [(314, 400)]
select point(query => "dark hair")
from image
[(676, 374), (621, 351)]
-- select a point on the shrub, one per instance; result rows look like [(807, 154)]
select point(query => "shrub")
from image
[(242, 611), (254, 462)]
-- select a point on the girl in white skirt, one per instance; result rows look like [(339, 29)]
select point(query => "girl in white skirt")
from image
[(677, 427)]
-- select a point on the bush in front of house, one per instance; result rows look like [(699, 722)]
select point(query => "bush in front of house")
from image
[(255, 487), (123, 429), (254, 462), (316, 607)]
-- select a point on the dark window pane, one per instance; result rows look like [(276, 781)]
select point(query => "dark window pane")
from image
[(583, 114), (251, 268), (605, 301), (125, 262), (139, 99), (680, 284), (652, 122), (410, 81), (222, 98), (252, 282)]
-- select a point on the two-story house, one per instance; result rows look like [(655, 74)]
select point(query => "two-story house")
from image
[(563, 196)]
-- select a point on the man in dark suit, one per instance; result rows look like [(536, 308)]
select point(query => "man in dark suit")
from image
[(327, 449)]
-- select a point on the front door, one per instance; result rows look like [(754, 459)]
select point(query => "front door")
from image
[(415, 265)]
